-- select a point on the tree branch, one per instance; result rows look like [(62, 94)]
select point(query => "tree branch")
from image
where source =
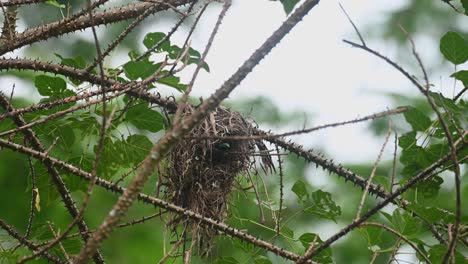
[(150, 200), (113, 15), (163, 146), (55, 175)]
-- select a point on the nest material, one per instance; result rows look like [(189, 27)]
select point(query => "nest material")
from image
[(202, 171)]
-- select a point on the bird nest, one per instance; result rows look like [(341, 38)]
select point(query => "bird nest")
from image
[(202, 167)]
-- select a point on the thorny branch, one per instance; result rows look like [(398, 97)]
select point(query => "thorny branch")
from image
[(163, 146), (54, 173), (453, 152), (58, 28), (150, 200), (11, 40), (24, 241), (416, 179)]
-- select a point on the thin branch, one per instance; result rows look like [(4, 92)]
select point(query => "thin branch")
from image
[(395, 149), (51, 228), (268, 136), (259, 200), (121, 36), (352, 23), (418, 59), (374, 170), (162, 147), (121, 90), (169, 34), (34, 198), (24, 241), (453, 151), (401, 236), (281, 186), (347, 175), (112, 15), (389, 61), (411, 183), (53, 172), (113, 86), (9, 24), (152, 200), (22, 2), (183, 100), (460, 94)]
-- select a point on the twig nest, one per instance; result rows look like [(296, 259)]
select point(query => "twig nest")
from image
[(203, 166)]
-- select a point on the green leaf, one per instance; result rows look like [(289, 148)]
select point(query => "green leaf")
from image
[(430, 187), (140, 69), (288, 232), (437, 252), (382, 181), (112, 158), (454, 47), (325, 256), (144, 118), (406, 224), (244, 246), (417, 119), (324, 206), (75, 62), (262, 260), (307, 238), (152, 39), (226, 260), (445, 103), (174, 52), (47, 192), (55, 3), (55, 131), (135, 148), (299, 188), (288, 5), (373, 234), (50, 86), (430, 214), (194, 53), (407, 140), (6, 124), (86, 123), (195, 57), (174, 82), (461, 76), (465, 6), (195, 61)]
